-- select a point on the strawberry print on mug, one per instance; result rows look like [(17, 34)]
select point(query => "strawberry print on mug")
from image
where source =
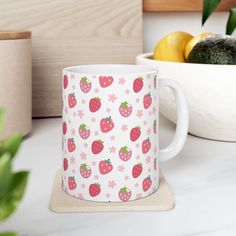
[(108, 154)]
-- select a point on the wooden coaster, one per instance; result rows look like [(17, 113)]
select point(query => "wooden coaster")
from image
[(159, 201)]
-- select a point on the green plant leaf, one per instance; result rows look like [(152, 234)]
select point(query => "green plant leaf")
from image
[(8, 234), (208, 7), (231, 23), (11, 145), (11, 200), (5, 174)]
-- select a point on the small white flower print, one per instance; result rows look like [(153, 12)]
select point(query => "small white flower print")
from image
[(124, 128), (121, 81), (112, 98), (112, 149), (121, 168), (83, 155), (72, 160), (80, 113), (111, 184), (73, 131), (148, 159), (139, 114)]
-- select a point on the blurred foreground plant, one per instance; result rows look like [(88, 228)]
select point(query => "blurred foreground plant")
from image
[(12, 184)]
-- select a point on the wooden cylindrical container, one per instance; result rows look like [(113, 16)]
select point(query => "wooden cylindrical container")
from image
[(16, 82)]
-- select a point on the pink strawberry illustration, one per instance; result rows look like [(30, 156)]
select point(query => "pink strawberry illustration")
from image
[(71, 145), (146, 145), (124, 194), (125, 153), (155, 126), (125, 109), (94, 189), (65, 164), (105, 81), (97, 146), (155, 164), (138, 84), (85, 170), (84, 131), (71, 100), (105, 167), (94, 104), (64, 128), (135, 133), (71, 182), (137, 170), (65, 81), (85, 84), (106, 124), (147, 182), (147, 101)]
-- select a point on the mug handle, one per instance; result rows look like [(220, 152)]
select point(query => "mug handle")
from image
[(182, 123)]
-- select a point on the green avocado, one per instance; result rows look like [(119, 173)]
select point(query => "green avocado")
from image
[(216, 49)]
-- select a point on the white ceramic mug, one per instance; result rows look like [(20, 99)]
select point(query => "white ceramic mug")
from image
[(111, 131)]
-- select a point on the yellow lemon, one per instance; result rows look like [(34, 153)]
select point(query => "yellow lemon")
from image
[(194, 41), (172, 47)]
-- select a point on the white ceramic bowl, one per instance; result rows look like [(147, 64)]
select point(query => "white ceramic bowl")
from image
[(210, 91)]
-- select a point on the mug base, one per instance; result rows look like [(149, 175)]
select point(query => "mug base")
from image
[(161, 199)]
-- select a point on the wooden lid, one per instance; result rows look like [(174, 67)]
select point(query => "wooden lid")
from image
[(8, 35)]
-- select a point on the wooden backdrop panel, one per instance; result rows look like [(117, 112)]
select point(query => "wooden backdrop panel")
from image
[(72, 32), (182, 5)]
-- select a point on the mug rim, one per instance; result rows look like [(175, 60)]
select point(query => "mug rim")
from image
[(115, 69)]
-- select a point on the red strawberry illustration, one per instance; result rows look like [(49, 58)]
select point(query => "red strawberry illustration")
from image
[(105, 167), (65, 164), (147, 182), (71, 145), (106, 124), (146, 145), (65, 81), (155, 126), (71, 182), (147, 101), (125, 153), (137, 170), (94, 189), (155, 164), (124, 194), (135, 133), (84, 131), (138, 84), (125, 109), (97, 146), (71, 100), (85, 84), (85, 170), (155, 82), (105, 81), (94, 104), (64, 127)]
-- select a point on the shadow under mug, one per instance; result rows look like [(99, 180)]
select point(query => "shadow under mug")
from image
[(111, 131)]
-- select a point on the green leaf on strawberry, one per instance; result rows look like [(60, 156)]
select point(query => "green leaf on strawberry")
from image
[(124, 149), (83, 127), (108, 161), (84, 166), (125, 105), (84, 80), (124, 190), (109, 118)]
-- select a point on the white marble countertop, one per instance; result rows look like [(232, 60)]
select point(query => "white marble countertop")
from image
[(202, 178)]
